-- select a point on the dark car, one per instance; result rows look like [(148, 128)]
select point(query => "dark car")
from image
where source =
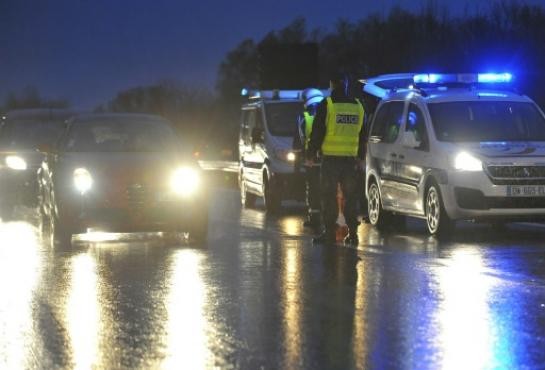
[(22, 132), (121, 173)]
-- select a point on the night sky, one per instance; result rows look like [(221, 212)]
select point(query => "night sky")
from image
[(88, 50)]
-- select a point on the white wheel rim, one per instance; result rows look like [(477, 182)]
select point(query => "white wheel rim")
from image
[(433, 210), (374, 204)]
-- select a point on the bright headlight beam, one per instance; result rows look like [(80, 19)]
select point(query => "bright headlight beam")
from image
[(285, 155), (82, 180), (466, 162), (185, 181), (16, 163)]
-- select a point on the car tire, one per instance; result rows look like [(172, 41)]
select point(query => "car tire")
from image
[(271, 196), (378, 217), (60, 233), (247, 199), (44, 224), (199, 230), (437, 220)]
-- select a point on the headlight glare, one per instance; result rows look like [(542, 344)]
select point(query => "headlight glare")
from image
[(185, 181), (466, 162), (82, 180), (16, 163), (285, 155)]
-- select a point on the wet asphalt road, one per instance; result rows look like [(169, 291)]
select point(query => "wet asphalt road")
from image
[(259, 295)]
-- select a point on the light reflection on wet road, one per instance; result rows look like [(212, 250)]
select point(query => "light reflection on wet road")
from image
[(260, 295)]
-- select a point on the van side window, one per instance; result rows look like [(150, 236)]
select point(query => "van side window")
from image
[(258, 118), (387, 121), (380, 121), (416, 123), (245, 126)]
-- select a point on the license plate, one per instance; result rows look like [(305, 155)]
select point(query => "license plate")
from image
[(526, 191)]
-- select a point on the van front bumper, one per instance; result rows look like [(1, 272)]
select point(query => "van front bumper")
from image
[(472, 195)]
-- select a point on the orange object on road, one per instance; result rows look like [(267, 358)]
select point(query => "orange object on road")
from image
[(341, 229)]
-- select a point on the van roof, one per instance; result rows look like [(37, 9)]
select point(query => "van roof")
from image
[(441, 95)]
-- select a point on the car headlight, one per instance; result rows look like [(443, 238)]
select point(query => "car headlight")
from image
[(82, 180), (466, 162), (285, 155), (16, 163), (185, 181)]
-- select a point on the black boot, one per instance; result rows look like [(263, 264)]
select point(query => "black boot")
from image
[(352, 239), (327, 237), (313, 222)]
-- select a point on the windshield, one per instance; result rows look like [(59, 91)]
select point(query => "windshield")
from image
[(29, 134), (119, 136), (282, 117), (475, 121)]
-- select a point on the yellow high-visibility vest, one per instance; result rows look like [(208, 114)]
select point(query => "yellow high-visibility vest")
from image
[(309, 120), (344, 122)]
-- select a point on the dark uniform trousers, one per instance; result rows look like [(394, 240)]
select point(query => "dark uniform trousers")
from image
[(340, 170)]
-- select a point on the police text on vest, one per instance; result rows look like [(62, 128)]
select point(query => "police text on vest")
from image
[(347, 119)]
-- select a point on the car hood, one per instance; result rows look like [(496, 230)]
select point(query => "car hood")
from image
[(123, 169), (492, 150)]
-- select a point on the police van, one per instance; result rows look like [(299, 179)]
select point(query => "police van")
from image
[(267, 163), (447, 147)]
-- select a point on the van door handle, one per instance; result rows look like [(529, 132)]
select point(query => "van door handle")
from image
[(393, 155), (401, 156)]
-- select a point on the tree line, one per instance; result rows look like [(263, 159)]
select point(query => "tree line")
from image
[(505, 36)]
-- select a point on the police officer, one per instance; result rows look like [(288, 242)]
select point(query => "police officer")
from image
[(311, 98), (338, 133)]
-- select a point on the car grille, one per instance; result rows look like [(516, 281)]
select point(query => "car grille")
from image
[(517, 175), (138, 196)]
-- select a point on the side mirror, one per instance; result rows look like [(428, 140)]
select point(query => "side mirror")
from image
[(375, 139), (258, 135), (410, 140)]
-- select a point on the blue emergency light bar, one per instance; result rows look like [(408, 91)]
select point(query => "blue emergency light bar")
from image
[(463, 78), (494, 77), (271, 94)]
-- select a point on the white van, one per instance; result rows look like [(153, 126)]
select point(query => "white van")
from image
[(456, 147), (267, 162)]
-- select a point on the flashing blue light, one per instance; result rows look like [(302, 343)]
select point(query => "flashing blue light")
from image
[(244, 92), (494, 77), (492, 95), (432, 78), (421, 79), (465, 78)]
